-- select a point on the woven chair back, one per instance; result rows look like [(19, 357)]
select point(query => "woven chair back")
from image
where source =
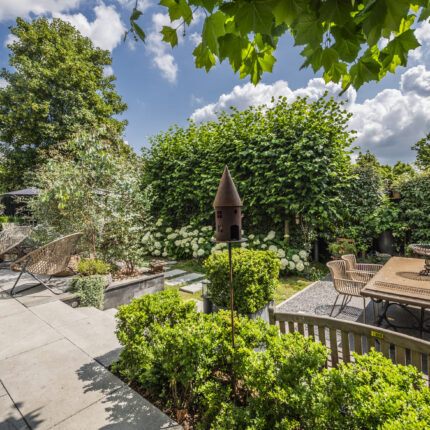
[(351, 261), (337, 270), (12, 237), (51, 258)]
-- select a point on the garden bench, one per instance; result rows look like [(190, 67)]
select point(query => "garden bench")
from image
[(343, 337)]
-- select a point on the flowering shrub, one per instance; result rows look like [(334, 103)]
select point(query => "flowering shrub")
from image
[(195, 242)]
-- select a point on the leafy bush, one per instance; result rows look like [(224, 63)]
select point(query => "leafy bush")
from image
[(255, 278), (89, 266), (90, 290), (342, 247), (286, 159), (186, 359)]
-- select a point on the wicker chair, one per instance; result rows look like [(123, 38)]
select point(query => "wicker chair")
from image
[(48, 260), (360, 271), (345, 285), (12, 238)]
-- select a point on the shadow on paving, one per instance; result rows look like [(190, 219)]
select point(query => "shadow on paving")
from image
[(122, 408), (14, 421)]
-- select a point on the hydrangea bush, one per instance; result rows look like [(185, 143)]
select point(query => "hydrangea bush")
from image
[(195, 242)]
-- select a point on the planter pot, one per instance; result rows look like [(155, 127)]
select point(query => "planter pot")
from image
[(385, 242), (263, 313)]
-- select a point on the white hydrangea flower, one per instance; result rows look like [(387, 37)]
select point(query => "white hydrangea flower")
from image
[(257, 242), (244, 245), (164, 254), (295, 258), (177, 242), (201, 240), (172, 236), (159, 222), (157, 252), (158, 234), (264, 246), (200, 252), (195, 254), (303, 254), (157, 245), (169, 229), (209, 227), (270, 236), (273, 248), (300, 267), (281, 253), (195, 232), (284, 263), (195, 247), (251, 236), (291, 265)]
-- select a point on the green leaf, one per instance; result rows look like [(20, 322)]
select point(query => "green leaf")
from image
[(308, 30), (286, 11), (204, 58), (139, 32), (366, 70), (231, 47), (255, 16), (213, 28), (329, 56), (399, 46), (170, 36), (337, 11), (178, 9)]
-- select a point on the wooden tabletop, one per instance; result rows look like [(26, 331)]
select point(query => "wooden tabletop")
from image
[(399, 281)]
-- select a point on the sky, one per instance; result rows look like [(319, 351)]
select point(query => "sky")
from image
[(162, 86)]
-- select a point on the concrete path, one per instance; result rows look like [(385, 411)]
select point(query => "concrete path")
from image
[(53, 368)]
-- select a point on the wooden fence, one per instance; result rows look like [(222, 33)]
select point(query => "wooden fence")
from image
[(343, 337)]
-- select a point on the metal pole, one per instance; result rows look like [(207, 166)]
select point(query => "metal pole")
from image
[(231, 294)]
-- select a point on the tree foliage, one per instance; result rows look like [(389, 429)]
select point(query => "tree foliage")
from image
[(341, 37), (288, 160), (55, 88), (423, 153), (95, 191)]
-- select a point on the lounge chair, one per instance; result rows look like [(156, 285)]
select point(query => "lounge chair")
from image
[(345, 285), (48, 260), (11, 239)]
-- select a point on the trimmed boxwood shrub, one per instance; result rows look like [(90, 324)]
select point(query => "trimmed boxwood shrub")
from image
[(186, 360), (90, 266), (255, 278), (89, 289)]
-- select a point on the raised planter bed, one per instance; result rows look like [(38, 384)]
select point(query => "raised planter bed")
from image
[(121, 292), (263, 313)]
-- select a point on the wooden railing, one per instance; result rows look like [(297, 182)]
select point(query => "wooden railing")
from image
[(342, 337)]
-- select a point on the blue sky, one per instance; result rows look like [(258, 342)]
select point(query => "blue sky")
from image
[(162, 87)]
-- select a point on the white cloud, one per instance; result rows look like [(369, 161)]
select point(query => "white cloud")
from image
[(10, 39), (387, 124), (195, 38), (106, 31), (241, 97), (10, 9), (107, 71), (142, 5), (160, 50), (422, 33), (195, 101), (3, 83)]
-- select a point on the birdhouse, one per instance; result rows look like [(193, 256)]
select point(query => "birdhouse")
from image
[(228, 210)]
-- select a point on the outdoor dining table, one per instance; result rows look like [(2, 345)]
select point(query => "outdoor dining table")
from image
[(400, 283)]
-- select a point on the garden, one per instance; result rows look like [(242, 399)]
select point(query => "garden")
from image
[(306, 200)]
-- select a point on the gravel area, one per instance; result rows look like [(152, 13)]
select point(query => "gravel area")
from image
[(319, 297)]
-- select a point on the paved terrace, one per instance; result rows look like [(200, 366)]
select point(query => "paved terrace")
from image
[(53, 367)]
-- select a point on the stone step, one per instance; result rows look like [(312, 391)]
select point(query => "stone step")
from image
[(192, 288), (57, 313), (172, 273), (111, 311), (184, 279), (172, 262)]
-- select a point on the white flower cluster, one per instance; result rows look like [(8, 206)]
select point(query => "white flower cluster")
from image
[(191, 242), (186, 242)]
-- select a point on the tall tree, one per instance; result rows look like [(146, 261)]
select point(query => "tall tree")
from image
[(56, 88), (341, 37), (423, 153)]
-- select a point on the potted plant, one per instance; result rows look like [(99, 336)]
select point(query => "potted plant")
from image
[(341, 247), (255, 278)]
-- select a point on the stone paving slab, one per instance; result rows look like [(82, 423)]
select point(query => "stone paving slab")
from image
[(22, 332), (172, 262), (54, 382), (8, 306), (172, 273), (10, 418), (57, 313), (96, 336), (2, 390), (122, 409), (35, 296), (192, 288), (185, 278)]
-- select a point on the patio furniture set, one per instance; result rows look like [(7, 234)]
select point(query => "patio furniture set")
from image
[(48, 260), (400, 282)]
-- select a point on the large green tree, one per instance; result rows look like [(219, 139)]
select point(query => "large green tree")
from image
[(55, 88), (341, 37), (423, 153)]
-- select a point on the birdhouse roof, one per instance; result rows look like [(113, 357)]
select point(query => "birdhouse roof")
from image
[(227, 194)]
